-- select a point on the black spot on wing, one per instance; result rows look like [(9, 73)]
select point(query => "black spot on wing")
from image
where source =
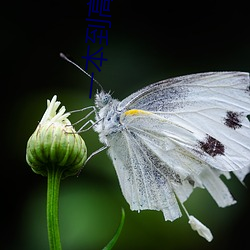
[(212, 146), (233, 119)]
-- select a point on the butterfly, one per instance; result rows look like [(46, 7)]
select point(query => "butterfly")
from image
[(175, 135)]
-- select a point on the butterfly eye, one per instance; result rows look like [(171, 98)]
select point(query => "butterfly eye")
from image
[(106, 99)]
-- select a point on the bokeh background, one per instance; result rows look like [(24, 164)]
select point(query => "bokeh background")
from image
[(148, 41)]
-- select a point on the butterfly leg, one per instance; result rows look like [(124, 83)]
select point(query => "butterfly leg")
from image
[(92, 154), (83, 127), (96, 152), (86, 116)]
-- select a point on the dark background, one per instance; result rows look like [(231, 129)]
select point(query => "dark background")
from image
[(148, 41)]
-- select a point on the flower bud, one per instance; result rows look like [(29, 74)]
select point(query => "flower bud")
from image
[(55, 144)]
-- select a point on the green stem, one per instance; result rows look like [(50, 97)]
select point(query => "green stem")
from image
[(54, 177)]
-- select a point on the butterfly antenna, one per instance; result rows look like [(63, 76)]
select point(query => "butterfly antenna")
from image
[(68, 60)]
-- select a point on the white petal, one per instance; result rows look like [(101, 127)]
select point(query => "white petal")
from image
[(50, 109), (51, 115), (200, 228)]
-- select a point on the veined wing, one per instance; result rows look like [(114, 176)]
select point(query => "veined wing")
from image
[(138, 178), (152, 167), (177, 93), (172, 152), (211, 106)]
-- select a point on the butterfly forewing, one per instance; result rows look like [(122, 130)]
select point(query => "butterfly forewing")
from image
[(173, 156), (175, 93), (210, 106)]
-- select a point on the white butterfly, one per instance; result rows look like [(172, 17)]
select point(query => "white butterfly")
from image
[(175, 135)]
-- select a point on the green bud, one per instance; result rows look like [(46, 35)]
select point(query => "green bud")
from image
[(55, 144)]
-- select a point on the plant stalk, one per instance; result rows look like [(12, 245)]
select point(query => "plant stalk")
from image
[(53, 185)]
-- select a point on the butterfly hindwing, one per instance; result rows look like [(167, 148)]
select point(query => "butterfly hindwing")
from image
[(142, 184)]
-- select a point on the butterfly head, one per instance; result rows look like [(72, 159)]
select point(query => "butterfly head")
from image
[(102, 99)]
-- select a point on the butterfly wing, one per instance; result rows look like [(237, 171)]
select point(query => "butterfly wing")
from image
[(141, 186), (213, 106), (179, 134), (152, 167), (176, 93)]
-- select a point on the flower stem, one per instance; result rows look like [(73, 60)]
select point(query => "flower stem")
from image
[(54, 177)]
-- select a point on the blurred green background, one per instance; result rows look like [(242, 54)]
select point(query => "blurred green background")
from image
[(148, 41)]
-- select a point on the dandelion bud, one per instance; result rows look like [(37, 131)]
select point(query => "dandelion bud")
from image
[(55, 143)]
